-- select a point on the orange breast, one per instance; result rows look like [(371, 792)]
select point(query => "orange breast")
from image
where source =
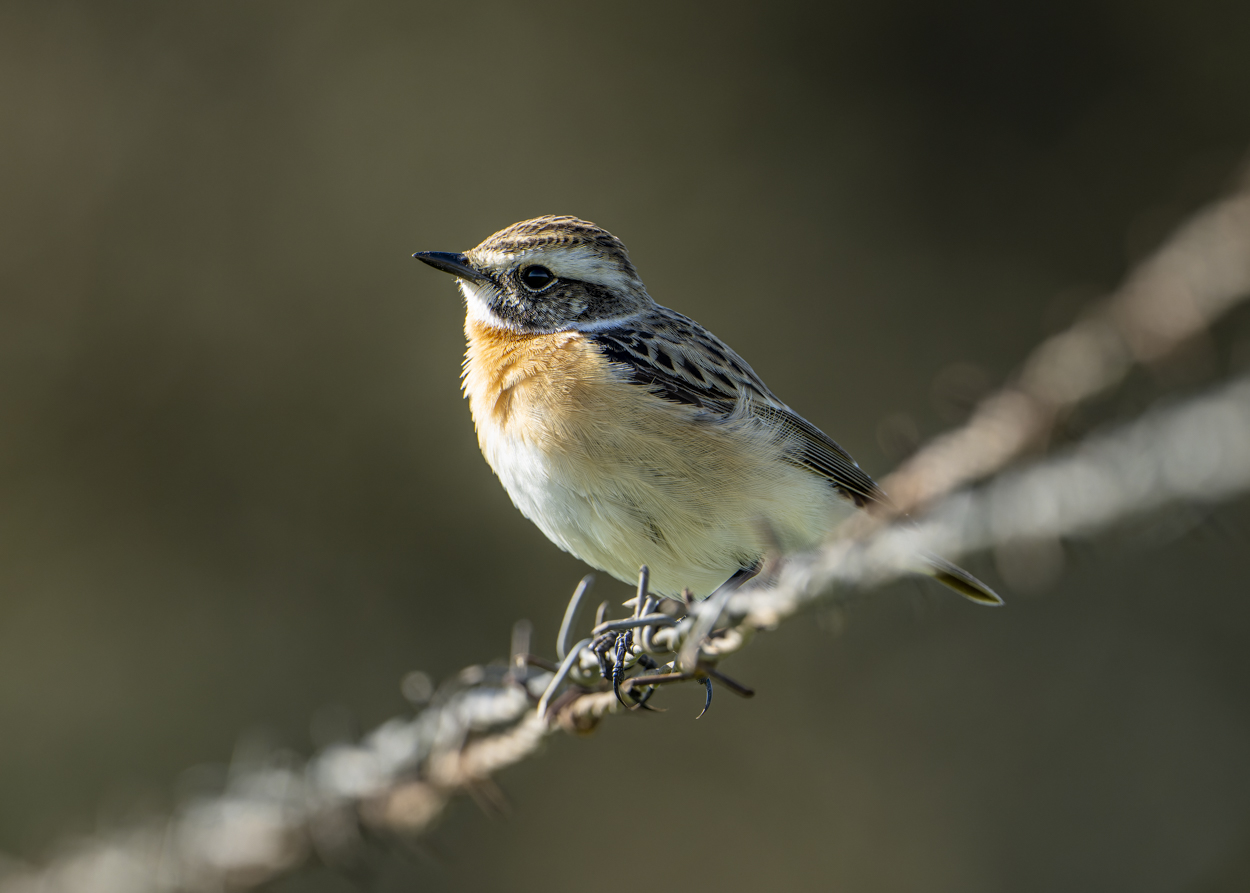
[(529, 385)]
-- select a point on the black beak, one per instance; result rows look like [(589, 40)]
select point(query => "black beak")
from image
[(453, 263)]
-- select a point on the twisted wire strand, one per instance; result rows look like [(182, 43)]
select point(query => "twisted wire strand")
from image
[(1198, 275), (271, 817), (276, 813)]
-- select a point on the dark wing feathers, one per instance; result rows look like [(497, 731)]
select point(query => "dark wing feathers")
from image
[(819, 453), (679, 360), (664, 380)]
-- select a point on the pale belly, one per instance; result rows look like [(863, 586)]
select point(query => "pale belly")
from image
[(621, 478), (694, 520)]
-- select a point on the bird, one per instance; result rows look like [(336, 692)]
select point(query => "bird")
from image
[(630, 434)]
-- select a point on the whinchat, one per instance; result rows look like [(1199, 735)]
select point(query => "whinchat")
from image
[(629, 433)]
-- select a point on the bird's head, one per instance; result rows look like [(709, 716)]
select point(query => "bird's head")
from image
[(549, 274)]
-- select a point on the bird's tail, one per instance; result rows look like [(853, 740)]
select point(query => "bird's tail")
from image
[(955, 577)]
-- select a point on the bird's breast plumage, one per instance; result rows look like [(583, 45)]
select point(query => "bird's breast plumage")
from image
[(619, 476)]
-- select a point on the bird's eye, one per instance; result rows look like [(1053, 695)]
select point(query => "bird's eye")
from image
[(537, 278)]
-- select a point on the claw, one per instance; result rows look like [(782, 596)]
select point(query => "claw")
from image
[(707, 682)]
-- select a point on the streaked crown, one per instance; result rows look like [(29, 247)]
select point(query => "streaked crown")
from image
[(548, 274)]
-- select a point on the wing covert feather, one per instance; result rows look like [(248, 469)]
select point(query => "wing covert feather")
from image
[(680, 361)]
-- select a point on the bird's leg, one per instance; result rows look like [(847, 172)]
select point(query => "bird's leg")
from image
[(601, 646), (624, 640), (741, 575), (709, 613)]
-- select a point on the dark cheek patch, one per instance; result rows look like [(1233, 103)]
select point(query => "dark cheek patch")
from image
[(551, 308), (596, 302)]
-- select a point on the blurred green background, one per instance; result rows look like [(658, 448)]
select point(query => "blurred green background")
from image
[(239, 489)]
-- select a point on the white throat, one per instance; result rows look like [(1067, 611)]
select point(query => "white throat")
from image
[(478, 309)]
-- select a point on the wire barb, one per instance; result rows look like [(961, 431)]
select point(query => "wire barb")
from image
[(400, 777), (565, 666), (570, 615)]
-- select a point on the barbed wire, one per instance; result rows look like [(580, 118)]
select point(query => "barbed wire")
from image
[(276, 811), (1200, 273), (272, 816)]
